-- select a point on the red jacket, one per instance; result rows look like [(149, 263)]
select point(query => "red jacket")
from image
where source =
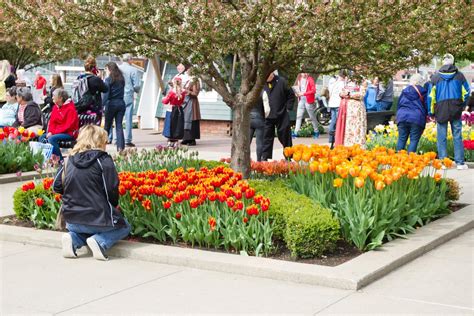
[(172, 98), (64, 119), (40, 83), (310, 89)]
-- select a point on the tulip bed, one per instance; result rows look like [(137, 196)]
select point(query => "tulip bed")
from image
[(376, 195), (15, 154), (387, 136), (207, 207)]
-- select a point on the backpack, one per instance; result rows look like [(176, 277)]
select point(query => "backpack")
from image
[(83, 99)]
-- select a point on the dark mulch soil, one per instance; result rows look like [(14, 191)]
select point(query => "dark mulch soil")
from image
[(342, 253)]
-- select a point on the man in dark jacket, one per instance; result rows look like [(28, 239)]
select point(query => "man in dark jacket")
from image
[(88, 182), (281, 99), (448, 97)]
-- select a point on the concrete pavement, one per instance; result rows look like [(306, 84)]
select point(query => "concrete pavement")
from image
[(37, 280)]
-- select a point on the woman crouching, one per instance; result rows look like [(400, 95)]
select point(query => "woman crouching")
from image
[(88, 182)]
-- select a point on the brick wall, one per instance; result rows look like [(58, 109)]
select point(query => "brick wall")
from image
[(221, 128)]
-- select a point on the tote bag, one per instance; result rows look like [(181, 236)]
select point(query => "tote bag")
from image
[(45, 148)]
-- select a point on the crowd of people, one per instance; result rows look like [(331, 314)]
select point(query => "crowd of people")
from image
[(442, 98), (23, 103)]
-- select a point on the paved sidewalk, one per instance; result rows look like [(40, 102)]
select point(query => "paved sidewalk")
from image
[(37, 280)]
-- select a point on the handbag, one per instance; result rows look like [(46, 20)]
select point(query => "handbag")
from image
[(60, 222)]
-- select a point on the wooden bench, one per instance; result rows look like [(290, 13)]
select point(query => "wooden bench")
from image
[(376, 118), (84, 119)]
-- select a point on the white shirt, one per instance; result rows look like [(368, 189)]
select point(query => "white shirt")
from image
[(335, 88)]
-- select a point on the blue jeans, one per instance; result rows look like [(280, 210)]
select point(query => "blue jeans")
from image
[(384, 105), (442, 130), (128, 125), (106, 237), (115, 112), (257, 127), (332, 124), (406, 129), (54, 140)]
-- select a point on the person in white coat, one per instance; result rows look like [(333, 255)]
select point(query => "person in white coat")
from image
[(335, 88)]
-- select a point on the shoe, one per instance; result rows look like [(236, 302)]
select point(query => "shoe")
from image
[(294, 135), (462, 167), (97, 250), (315, 135), (184, 142), (68, 247), (130, 144), (192, 143)]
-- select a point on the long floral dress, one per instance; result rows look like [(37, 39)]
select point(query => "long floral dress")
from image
[(353, 118)]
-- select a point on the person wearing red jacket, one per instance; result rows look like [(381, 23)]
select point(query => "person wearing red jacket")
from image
[(63, 123), (305, 89), (174, 124), (40, 83)]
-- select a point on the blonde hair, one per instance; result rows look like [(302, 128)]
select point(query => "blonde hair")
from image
[(178, 87), (56, 81), (90, 137)]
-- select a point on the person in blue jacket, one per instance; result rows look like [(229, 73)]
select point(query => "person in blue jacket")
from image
[(448, 96), (411, 114), (370, 99)]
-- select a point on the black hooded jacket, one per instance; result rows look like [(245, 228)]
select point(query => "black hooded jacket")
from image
[(281, 97), (90, 190)]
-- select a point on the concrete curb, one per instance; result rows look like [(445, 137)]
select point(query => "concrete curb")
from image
[(25, 176), (351, 275)]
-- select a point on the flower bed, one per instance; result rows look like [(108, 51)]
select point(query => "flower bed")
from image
[(387, 136), (376, 195), (15, 153), (212, 208)]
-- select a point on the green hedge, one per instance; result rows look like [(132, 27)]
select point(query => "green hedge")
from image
[(308, 229)]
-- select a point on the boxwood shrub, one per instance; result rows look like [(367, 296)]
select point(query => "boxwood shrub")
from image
[(307, 228)]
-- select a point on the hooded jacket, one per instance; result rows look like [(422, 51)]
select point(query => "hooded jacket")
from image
[(449, 91), (90, 190), (411, 107)]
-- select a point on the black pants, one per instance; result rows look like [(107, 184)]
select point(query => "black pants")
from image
[(116, 111), (257, 127), (282, 124)]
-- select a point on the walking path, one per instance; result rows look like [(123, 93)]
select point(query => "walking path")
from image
[(37, 280)]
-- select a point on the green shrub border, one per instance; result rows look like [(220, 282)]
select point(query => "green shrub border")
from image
[(308, 229)]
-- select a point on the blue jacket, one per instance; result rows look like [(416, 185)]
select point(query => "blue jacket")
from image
[(448, 94), (370, 99), (411, 107), (114, 94)]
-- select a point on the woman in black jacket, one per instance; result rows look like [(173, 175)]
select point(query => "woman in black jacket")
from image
[(89, 182), (114, 103)]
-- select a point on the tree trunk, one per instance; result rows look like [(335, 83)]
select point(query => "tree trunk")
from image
[(240, 152)]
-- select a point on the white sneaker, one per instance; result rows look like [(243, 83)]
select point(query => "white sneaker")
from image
[(463, 167), (68, 248), (97, 250)]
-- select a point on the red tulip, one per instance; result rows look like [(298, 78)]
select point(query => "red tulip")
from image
[(39, 202)]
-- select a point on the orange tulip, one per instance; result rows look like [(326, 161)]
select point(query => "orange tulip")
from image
[(354, 172), (313, 167), (437, 177), (337, 183), (447, 162), (359, 182), (437, 164), (297, 156), (323, 168), (379, 185), (306, 156)]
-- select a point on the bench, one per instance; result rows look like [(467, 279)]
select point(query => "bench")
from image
[(376, 118), (84, 119)]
